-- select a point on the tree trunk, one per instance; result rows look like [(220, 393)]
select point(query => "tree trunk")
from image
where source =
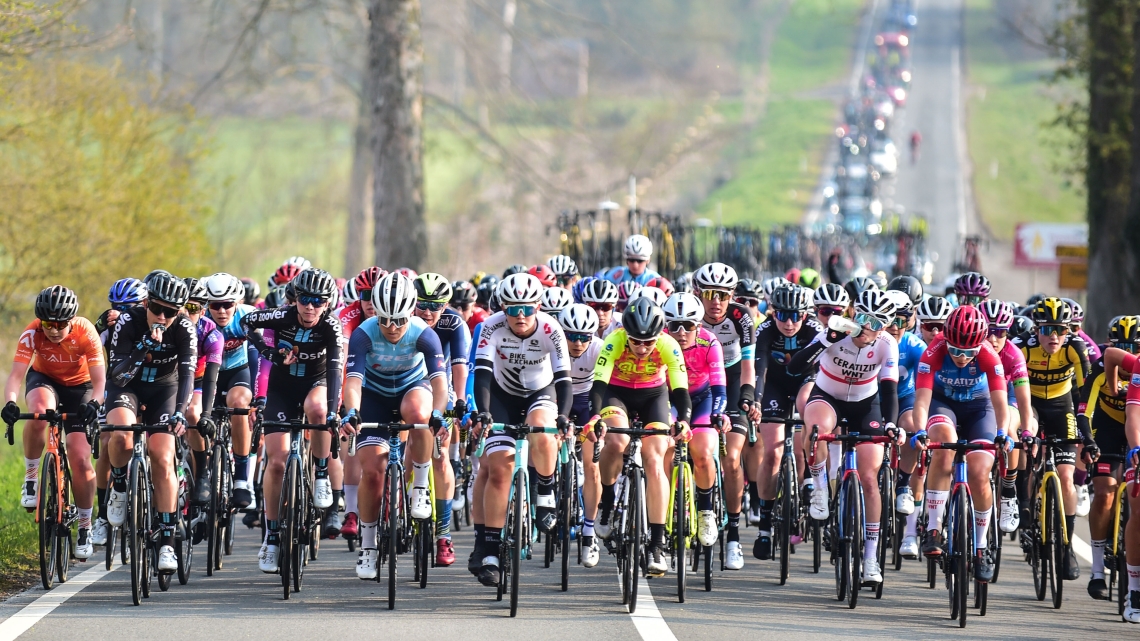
[(395, 62), (1113, 207), (506, 46), (355, 254)]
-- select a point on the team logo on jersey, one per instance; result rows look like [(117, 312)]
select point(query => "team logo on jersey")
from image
[(999, 370), (923, 368), (1135, 379), (871, 354)]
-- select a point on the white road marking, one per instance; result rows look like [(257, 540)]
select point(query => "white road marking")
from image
[(22, 621), (647, 619), (1081, 549)]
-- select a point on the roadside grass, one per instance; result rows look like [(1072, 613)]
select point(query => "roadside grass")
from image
[(1016, 154), (17, 528)]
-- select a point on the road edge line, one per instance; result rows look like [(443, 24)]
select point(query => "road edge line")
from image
[(22, 621)]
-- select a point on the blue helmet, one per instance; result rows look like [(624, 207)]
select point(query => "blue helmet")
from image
[(580, 287), (126, 291)]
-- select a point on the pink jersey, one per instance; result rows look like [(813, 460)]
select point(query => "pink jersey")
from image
[(705, 362), (1013, 361)]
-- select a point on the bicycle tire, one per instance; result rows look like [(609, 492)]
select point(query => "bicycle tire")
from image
[(838, 560), (516, 536), (213, 538), (124, 548), (184, 549), (994, 538), (961, 515), (1121, 563), (855, 524), (394, 499), (286, 515), (48, 517), (568, 502), (427, 537), (135, 527), (109, 548), (786, 487), (637, 528), (816, 546), (899, 527), (302, 528), (886, 516), (1038, 562), (1056, 541), (681, 529)]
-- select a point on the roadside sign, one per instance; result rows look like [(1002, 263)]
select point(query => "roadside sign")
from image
[(1073, 275), (1070, 253), (1035, 244)]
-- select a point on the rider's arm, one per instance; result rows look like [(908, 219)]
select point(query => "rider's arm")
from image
[(715, 359), (1079, 353), (460, 344), (187, 360), (889, 400), (924, 381), (604, 368), (25, 350), (429, 346), (484, 367), (213, 351), (990, 362), (677, 377), (334, 361), (747, 331), (806, 358), (126, 352), (763, 346), (1132, 409), (15, 381)]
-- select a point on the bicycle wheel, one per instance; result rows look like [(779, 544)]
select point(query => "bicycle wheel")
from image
[(568, 509), (816, 545), (285, 518), (426, 539), (681, 529), (124, 547), (1056, 541), (516, 535), (636, 522), (783, 517), (961, 516), (109, 548), (184, 549), (136, 528), (886, 518), (213, 508), (1121, 564), (393, 505), (48, 517), (838, 550), (853, 516), (994, 537), (899, 527)]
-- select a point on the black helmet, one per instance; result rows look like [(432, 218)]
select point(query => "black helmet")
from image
[(167, 288), (485, 292), (197, 288), (643, 319), (790, 298), (463, 293), (514, 269), (1022, 326), (748, 288), (252, 290), (56, 303), (908, 285), (1052, 311), (275, 297), (1124, 329), (857, 286), (153, 274), (1034, 299), (314, 282)]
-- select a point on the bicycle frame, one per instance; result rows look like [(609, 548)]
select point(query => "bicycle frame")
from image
[(682, 473)]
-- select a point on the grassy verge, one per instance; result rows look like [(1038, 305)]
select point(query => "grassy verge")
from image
[(17, 527), (1014, 152)]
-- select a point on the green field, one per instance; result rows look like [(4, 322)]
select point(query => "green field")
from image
[(17, 527), (1016, 155)]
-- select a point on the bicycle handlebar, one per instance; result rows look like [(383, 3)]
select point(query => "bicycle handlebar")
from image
[(137, 427), (232, 411)]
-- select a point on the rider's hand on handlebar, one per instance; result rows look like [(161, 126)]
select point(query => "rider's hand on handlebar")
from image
[(682, 432), (1005, 443), (596, 429), (437, 423), (1091, 451), (894, 433), (919, 440), (564, 425), (206, 427), (348, 424), (89, 412), (177, 423), (10, 413)]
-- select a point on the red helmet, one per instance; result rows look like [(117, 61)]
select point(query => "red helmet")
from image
[(285, 273), (368, 278), (407, 271), (661, 283), (966, 328), (544, 274)]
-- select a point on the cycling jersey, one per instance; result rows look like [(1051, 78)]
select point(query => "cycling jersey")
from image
[(350, 318), (523, 365), (911, 348), (132, 362), (1053, 375), (704, 366), (210, 344), (67, 362), (774, 351), (938, 372), (455, 338), (582, 368), (619, 275), (1016, 374), (615, 325), (619, 366), (390, 368), (478, 315), (736, 334), (1098, 396), (848, 373), (234, 350), (1094, 351), (317, 349)]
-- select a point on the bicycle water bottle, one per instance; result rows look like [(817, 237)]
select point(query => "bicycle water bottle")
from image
[(842, 324)]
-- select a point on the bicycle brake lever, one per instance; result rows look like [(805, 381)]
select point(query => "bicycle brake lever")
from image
[(10, 435)]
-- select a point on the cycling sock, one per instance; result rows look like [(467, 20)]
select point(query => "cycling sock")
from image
[(349, 498), (1098, 546), (753, 494), (587, 529), (31, 469), (1022, 488), (1009, 486), (368, 535), (819, 475), (1080, 477), (766, 514), (119, 478), (323, 468), (167, 533), (903, 483), (338, 496), (101, 500), (871, 544), (912, 520), (199, 463), (420, 473), (1070, 523), (545, 485), (606, 505), (657, 533), (272, 525), (981, 527), (733, 533), (241, 466), (1133, 578), (251, 470), (935, 508), (705, 499), (491, 539), (443, 518), (84, 518)]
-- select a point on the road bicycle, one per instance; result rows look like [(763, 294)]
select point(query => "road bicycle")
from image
[(705, 552), (1114, 562), (681, 521), (1045, 538), (569, 513), (219, 513)]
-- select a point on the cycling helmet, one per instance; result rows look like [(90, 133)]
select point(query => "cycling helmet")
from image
[(197, 287), (638, 247), (877, 305), (770, 284), (1052, 311), (286, 273), (628, 290), (831, 295), (519, 289), (169, 289), (600, 291), (792, 275), (810, 278), (57, 303), (902, 302), (349, 293), (934, 309), (563, 265), (314, 282), (409, 272), (998, 313), (858, 285), (1078, 311), (300, 261), (643, 319), (394, 296), (1124, 329), (432, 287), (223, 286), (578, 318), (662, 283), (484, 293), (514, 269), (715, 276), (463, 293), (683, 283), (252, 291), (790, 298), (367, 279), (334, 298), (748, 288), (477, 278), (579, 288), (556, 299), (652, 293), (154, 274), (1034, 299), (972, 284), (908, 285), (1022, 326), (544, 274), (966, 327), (880, 280), (127, 291), (275, 297), (683, 306)]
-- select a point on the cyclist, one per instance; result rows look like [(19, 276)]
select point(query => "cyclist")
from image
[(750, 294), (829, 300), (1076, 328), (304, 381), (640, 373), (522, 376), (1080, 474), (152, 354), (556, 299), (544, 274), (627, 291), (396, 374), (972, 288), (483, 293), (1132, 529), (565, 270), (638, 250), (858, 381), (210, 345), (731, 323), (704, 366), (60, 358), (789, 330), (960, 394), (432, 294), (663, 284), (252, 292), (463, 296), (1058, 365), (932, 314), (580, 324), (602, 296)]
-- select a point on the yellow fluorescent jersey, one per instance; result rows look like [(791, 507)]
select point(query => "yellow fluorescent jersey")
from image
[(618, 365), (1054, 375)]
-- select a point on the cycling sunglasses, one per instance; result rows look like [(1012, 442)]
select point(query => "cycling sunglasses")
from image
[(192, 308), (647, 342), (564, 279), (429, 306), (933, 328), (160, 310), (716, 294), (824, 312), (601, 307), (681, 326), (520, 310), (1049, 330), (1126, 346), (785, 316), (579, 337), (393, 322), (312, 301), (958, 352), (973, 300), (636, 260), (1000, 332), (58, 326), (901, 321), (219, 305), (869, 322), (365, 295), (750, 302), (122, 307)]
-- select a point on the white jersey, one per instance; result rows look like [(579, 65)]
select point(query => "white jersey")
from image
[(582, 369), (615, 325), (848, 373), (523, 366)]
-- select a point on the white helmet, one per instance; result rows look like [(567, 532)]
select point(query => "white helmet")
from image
[(579, 318), (639, 247), (299, 261), (683, 306), (562, 265), (652, 293), (600, 290), (520, 289), (900, 299), (556, 299), (935, 308), (348, 292), (716, 276), (770, 284), (877, 305), (223, 286), (394, 296)]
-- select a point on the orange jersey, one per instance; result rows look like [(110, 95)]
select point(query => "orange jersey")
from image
[(66, 362)]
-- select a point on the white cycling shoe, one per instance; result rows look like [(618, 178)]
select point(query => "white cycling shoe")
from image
[(904, 502), (267, 558), (1084, 503), (421, 503), (322, 493), (734, 556), (593, 555), (908, 549), (366, 564), (100, 530), (28, 493), (1010, 516), (707, 531), (167, 562), (1132, 607), (603, 529), (83, 547), (871, 571), (818, 508), (116, 507)]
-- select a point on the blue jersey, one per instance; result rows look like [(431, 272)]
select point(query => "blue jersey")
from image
[(911, 347), (619, 275), (391, 368), (234, 352)]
